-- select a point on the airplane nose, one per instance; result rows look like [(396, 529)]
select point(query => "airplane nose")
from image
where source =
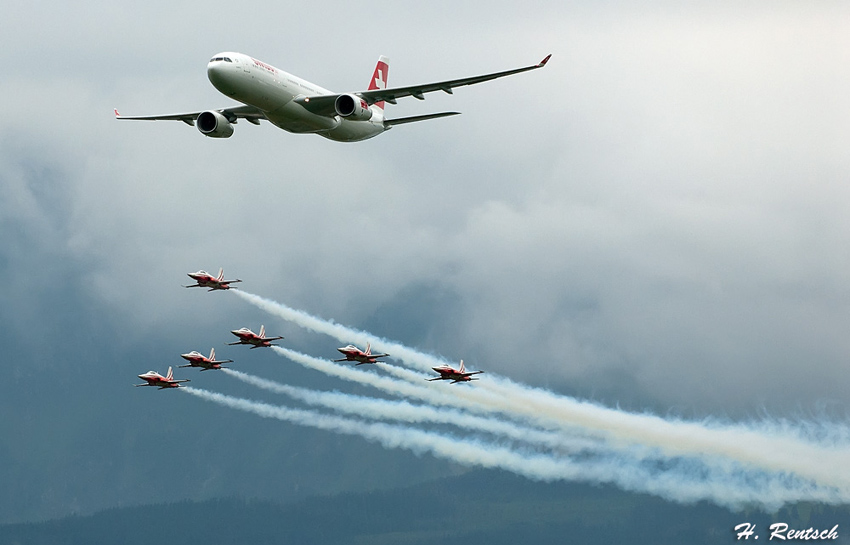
[(221, 74)]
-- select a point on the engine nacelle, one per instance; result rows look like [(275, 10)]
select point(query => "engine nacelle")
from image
[(352, 107), (214, 125)]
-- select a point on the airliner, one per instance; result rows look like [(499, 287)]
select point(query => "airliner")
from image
[(298, 106)]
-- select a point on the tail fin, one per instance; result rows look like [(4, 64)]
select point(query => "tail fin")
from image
[(368, 349), (379, 77), (212, 354), (462, 370), (262, 331), (170, 374), (220, 274)]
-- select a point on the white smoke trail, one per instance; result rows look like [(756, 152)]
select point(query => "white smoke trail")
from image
[(419, 389), (649, 452), (768, 445), (341, 332), (403, 411), (468, 452), (731, 489)]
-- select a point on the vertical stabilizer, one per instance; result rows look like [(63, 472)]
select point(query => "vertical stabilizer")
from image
[(170, 374), (462, 370), (220, 274), (379, 77), (212, 354), (262, 331), (368, 349)]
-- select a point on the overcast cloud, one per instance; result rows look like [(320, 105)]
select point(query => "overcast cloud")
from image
[(658, 218)]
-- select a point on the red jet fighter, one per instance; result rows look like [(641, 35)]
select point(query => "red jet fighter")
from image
[(196, 359), (454, 375), (352, 353), (155, 379), (246, 336), (206, 280)]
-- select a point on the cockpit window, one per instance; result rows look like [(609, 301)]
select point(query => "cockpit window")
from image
[(225, 59)]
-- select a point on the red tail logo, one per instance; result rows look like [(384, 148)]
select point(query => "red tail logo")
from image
[(379, 77)]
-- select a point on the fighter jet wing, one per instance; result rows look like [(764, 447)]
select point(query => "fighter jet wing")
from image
[(324, 104), (249, 113)]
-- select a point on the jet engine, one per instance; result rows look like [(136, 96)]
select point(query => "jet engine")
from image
[(214, 125), (352, 107)]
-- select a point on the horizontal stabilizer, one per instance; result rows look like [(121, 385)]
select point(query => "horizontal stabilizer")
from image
[(403, 120)]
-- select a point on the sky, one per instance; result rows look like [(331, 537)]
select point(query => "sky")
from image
[(656, 220)]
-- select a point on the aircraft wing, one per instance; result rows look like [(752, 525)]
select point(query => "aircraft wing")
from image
[(250, 113), (412, 119), (417, 91), (324, 104)]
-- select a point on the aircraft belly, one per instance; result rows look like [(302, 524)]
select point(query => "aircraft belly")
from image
[(293, 117), (262, 95), (354, 131)]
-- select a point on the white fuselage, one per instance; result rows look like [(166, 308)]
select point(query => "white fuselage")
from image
[(271, 90)]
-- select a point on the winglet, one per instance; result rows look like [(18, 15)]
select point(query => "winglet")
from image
[(117, 115), (544, 61)]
